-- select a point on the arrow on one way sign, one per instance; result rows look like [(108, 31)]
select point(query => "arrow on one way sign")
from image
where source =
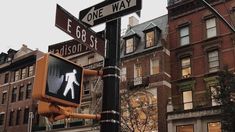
[(106, 11)]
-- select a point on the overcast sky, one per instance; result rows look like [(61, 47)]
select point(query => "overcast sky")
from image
[(32, 22)]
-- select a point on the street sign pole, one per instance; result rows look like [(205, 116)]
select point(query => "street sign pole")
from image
[(110, 116)]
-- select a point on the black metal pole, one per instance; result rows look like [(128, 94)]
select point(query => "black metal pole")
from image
[(110, 116)]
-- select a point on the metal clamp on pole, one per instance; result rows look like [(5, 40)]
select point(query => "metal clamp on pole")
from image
[(114, 71)]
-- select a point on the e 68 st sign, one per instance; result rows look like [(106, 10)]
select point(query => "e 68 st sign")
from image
[(75, 28)]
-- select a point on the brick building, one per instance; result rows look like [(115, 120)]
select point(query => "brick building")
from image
[(16, 81), (200, 46), (145, 71)]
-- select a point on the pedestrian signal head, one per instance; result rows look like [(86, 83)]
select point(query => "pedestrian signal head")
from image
[(58, 80)]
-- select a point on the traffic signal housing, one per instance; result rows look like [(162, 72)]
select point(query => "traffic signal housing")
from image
[(58, 81)]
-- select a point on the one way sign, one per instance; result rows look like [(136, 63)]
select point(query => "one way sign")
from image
[(109, 10)]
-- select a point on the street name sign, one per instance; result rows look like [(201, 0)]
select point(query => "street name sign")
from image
[(58, 80), (109, 10), (76, 29), (68, 48)]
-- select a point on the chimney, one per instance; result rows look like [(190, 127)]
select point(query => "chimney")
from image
[(132, 21)]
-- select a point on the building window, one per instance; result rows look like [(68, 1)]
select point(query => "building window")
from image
[(13, 95), (2, 116), (17, 75), (187, 100), (184, 35), (123, 74), (213, 60), (31, 71), (86, 89), (91, 59), (11, 118), (18, 117), (185, 67), (213, 90), (26, 115), (154, 66), (214, 127), (129, 45), (4, 97), (28, 91), (21, 93), (137, 74), (211, 27), (6, 78), (185, 128), (137, 70), (23, 73), (149, 39)]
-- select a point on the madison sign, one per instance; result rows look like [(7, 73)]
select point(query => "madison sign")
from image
[(68, 48), (108, 10)]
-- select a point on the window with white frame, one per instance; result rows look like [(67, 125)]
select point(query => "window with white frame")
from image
[(187, 100), (211, 28), (123, 74), (186, 67), (129, 45), (213, 60), (154, 66), (184, 35), (149, 39)]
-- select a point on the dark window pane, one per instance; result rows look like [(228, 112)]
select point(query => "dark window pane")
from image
[(26, 115)]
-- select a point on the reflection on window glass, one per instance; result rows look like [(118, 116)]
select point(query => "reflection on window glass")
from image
[(184, 128), (129, 45), (17, 75), (213, 60), (184, 36), (154, 64), (211, 28), (123, 74), (214, 127), (185, 67), (31, 71), (23, 73), (187, 100), (149, 39)]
